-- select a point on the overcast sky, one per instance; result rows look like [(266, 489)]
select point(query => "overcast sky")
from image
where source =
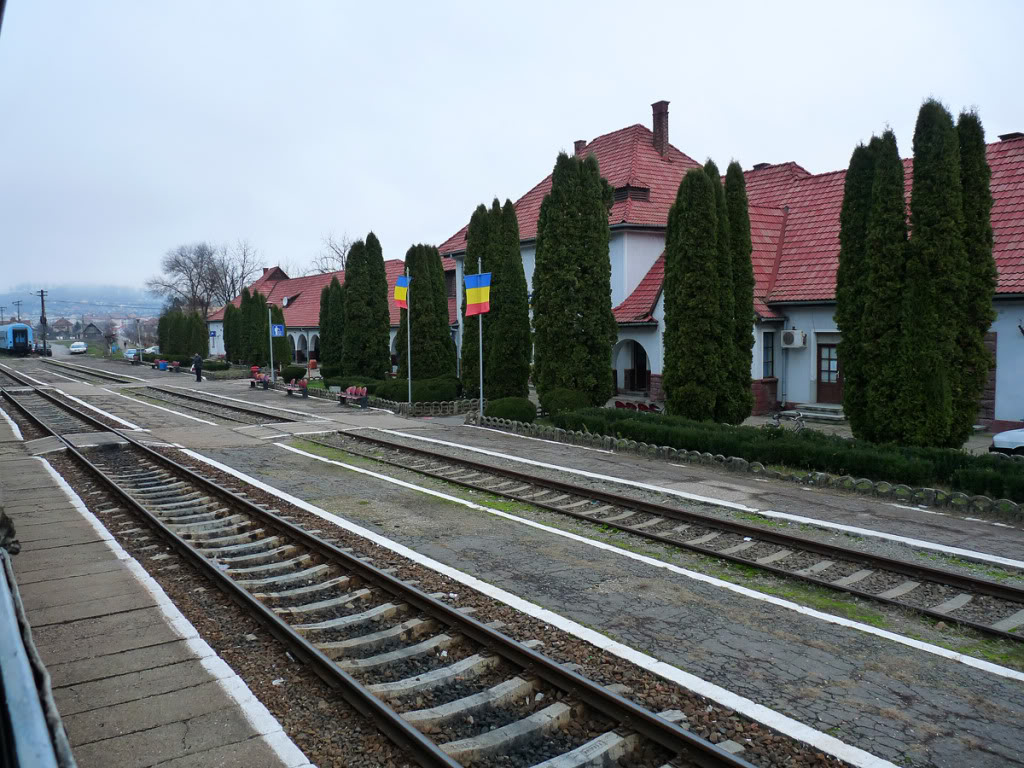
[(127, 128)]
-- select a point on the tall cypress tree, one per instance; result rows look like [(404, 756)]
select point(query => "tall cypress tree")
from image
[(325, 328), (934, 293), (259, 330), (433, 351), (243, 326), (574, 328), (507, 368), (199, 337), (478, 237), (332, 338), (282, 355), (231, 314), (356, 316), (162, 332), (880, 376), (851, 283), (724, 407), (692, 343), (973, 361), (378, 330), (741, 400)]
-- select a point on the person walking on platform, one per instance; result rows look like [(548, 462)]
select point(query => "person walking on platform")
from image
[(197, 366)]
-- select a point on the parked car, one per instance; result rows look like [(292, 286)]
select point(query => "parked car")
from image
[(78, 348), (151, 351), (131, 354), (1011, 442)]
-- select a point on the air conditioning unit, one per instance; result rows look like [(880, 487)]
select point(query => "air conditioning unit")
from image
[(794, 339)]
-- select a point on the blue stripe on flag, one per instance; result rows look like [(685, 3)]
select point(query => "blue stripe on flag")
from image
[(478, 281)]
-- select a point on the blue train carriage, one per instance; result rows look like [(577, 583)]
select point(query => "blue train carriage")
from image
[(16, 338)]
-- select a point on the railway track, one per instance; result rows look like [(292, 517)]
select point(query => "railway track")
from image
[(986, 606), (85, 372), (8, 380), (221, 409), (450, 689)]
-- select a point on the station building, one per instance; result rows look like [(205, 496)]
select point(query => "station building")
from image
[(794, 220)]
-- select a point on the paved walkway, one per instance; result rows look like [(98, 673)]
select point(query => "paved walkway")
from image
[(134, 683)]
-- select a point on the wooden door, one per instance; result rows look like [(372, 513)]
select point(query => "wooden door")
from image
[(830, 377)]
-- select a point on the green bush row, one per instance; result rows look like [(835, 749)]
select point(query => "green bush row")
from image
[(186, 362), (423, 390), (290, 372), (809, 450), (558, 400), (515, 408)]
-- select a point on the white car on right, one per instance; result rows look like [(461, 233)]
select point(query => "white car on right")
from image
[(78, 348), (1011, 442)]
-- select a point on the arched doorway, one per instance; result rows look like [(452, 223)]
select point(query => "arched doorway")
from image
[(632, 367), (302, 349), (291, 346), (314, 348)]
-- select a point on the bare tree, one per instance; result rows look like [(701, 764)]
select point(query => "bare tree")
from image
[(231, 270), (186, 276), (332, 255)]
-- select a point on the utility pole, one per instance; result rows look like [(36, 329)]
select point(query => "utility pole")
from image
[(2, 308), (17, 306), (42, 316)]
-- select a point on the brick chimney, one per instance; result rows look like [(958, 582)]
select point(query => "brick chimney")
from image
[(660, 109), (578, 146)]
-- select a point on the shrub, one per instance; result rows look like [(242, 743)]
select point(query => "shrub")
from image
[(214, 365), (423, 391), (290, 372), (559, 400), (808, 450), (515, 408), (330, 371)]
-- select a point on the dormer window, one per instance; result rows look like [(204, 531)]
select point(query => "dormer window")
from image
[(632, 193)]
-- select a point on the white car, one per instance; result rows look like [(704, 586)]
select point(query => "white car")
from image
[(152, 350), (78, 348), (1011, 442)]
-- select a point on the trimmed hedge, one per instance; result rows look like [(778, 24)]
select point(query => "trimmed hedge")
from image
[(515, 408), (559, 400), (810, 450), (290, 372), (186, 362), (423, 391), (330, 371), (344, 382)]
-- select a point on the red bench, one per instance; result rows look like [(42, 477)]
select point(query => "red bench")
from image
[(291, 386)]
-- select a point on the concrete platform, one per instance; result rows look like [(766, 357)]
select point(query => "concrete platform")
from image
[(134, 683)]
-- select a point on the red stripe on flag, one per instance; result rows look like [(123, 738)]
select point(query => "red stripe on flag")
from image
[(478, 309)]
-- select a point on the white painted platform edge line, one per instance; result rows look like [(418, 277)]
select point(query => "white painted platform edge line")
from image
[(274, 437), (745, 591), (100, 370), (252, 708), (119, 420), (316, 432), (12, 424), (76, 381), (31, 378), (160, 407), (727, 504), (249, 402), (779, 722), (539, 439), (571, 470)]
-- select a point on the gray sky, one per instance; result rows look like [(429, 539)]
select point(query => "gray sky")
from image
[(130, 127)]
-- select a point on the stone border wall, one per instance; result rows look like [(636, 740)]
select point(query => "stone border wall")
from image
[(439, 408), (928, 497)]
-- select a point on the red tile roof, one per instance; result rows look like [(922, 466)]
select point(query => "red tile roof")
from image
[(639, 305), (303, 293), (626, 157)]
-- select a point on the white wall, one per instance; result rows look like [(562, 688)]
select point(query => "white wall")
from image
[(529, 254), (757, 353), (216, 342), (642, 249), (1009, 360), (797, 368)]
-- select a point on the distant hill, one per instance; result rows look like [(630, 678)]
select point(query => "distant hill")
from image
[(75, 300)]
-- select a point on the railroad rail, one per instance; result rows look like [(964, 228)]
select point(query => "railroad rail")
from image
[(932, 592), (214, 407), (327, 606), (85, 370)]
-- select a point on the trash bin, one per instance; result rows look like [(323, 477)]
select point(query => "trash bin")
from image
[(163, 365)]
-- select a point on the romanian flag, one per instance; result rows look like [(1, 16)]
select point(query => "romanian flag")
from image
[(402, 291), (478, 294)]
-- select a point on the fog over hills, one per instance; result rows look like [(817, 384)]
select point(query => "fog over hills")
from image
[(75, 300)]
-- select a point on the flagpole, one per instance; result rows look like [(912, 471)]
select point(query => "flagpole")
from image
[(480, 346), (270, 327), (408, 335)]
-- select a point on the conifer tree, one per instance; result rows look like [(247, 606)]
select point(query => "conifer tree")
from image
[(574, 328), (282, 355), (433, 351), (934, 292), (259, 330), (851, 283), (692, 345), (332, 338), (885, 253), (741, 400), (231, 313), (242, 323), (477, 244), (973, 361), (163, 332), (324, 325), (378, 329), (507, 364), (725, 298), (367, 322), (199, 337)]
